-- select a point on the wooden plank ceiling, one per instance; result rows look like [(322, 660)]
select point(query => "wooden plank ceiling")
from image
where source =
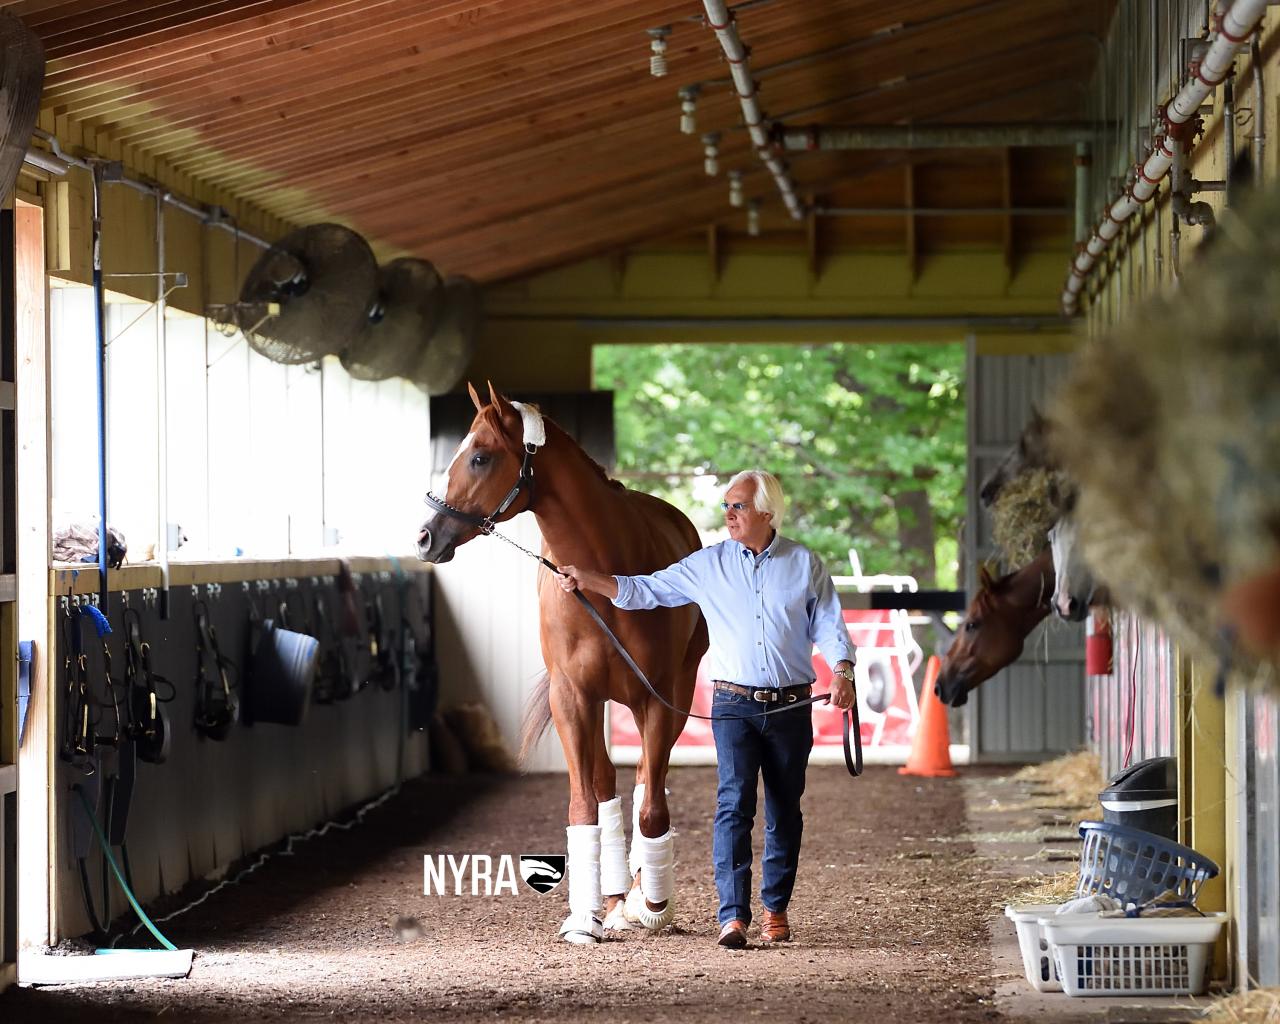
[(499, 138)]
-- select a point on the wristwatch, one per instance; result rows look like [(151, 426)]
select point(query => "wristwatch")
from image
[(847, 673)]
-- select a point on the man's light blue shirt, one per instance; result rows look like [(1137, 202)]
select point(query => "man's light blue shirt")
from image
[(764, 612)]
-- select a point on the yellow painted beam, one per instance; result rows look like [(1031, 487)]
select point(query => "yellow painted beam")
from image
[(1202, 790)]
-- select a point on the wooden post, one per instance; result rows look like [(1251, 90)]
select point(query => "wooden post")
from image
[(36, 822)]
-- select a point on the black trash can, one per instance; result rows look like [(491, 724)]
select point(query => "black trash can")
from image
[(1145, 796)]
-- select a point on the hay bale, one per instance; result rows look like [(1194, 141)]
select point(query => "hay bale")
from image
[(1025, 511), (1170, 426), (478, 732)]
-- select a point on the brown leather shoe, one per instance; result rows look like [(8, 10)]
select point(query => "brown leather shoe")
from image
[(774, 927), (733, 935)]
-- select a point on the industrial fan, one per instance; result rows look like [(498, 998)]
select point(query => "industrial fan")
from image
[(21, 82), (403, 319), (308, 296), (444, 358)]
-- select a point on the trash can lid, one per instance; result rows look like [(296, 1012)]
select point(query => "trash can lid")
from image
[(1153, 779)]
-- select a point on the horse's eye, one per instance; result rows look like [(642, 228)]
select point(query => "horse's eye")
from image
[(479, 460), (971, 626)]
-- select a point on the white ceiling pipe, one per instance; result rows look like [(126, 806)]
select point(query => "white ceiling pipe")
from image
[(721, 21), (1237, 24)]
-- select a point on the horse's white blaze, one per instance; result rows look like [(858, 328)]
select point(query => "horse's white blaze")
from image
[(1072, 579), (466, 443)]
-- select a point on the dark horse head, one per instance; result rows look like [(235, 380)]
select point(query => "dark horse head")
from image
[(483, 474), (1030, 452), (995, 627)]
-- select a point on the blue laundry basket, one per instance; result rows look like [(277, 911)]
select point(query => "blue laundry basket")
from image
[(1135, 866)]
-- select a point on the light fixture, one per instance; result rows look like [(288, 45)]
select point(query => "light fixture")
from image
[(688, 107), (658, 50), (711, 153), (753, 218), (735, 188)]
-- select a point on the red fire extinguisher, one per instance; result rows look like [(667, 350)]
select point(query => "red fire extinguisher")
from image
[(1097, 644)]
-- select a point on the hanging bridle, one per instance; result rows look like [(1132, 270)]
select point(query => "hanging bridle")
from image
[(486, 524)]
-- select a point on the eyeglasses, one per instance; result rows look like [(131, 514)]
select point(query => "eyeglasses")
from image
[(737, 506)]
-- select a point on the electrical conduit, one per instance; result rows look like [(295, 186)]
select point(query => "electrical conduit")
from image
[(1236, 25), (719, 18)]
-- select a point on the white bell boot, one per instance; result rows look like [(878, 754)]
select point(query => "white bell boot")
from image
[(583, 925), (657, 882), (615, 877)]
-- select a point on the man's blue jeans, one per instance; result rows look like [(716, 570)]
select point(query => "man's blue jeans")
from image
[(776, 746)]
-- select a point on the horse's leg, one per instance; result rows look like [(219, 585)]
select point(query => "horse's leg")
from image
[(574, 717), (615, 877), (653, 907)]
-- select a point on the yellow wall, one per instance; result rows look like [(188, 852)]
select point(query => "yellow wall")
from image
[(539, 332)]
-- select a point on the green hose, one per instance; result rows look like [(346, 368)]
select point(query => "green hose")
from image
[(106, 852)]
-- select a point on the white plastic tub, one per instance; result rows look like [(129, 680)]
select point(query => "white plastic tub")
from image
[(1037, 958), (1139, 956)]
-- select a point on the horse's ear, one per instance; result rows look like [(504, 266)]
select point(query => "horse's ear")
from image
[(497, 399), (985, 580), (500, 403), (475, 396)]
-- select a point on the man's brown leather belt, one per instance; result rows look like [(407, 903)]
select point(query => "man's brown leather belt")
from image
[(766, 694)]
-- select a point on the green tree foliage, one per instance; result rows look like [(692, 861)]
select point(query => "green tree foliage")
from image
[(868, 440)]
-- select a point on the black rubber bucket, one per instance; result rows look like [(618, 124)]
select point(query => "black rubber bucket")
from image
[(281, 674)]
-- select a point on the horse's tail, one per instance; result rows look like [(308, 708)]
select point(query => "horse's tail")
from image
[(537, 716)]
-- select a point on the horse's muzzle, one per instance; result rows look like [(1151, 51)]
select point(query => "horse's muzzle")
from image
[(951, 691), (428, 551)]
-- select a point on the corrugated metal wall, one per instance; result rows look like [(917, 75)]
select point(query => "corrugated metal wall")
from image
[(1132, 711), (1035, 708)]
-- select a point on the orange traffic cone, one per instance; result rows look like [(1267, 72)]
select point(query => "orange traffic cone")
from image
[(931, 746)]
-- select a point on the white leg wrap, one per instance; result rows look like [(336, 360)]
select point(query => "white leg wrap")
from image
[(583, 923), (657, 873), (615, 878), (657, 866), (637, 801)]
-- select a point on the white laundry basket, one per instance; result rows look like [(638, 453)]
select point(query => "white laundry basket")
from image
[(1139, 956), (1037, 957)]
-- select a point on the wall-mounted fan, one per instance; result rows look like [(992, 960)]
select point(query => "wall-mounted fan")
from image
[(21, 82), (444, 358), (308, 296), (403, 319)]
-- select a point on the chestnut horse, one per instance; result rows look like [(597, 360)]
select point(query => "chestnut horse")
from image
[(587, 519), (996, 625)]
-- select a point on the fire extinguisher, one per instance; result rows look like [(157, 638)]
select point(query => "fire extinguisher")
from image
[(1097, 644)]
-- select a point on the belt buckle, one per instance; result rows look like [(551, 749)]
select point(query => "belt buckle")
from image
[(763, 696)]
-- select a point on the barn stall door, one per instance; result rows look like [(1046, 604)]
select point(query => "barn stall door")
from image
[(1034, 709)]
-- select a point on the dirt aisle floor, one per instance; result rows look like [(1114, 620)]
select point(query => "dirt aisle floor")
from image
[(890, 916)]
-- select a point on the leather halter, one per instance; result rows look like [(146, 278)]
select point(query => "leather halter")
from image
[(485, 524)]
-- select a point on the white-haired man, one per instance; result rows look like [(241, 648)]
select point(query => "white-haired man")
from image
[(767, 600)]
